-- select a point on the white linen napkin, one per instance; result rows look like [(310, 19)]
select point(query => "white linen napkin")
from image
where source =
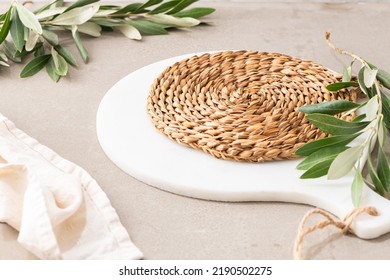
[(58, 209)]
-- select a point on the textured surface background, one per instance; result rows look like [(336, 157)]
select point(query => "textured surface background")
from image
[(164, 225)]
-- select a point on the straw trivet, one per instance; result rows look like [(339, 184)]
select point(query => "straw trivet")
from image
[(241, 105)]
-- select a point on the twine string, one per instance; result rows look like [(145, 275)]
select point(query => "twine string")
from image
[(345, 225)]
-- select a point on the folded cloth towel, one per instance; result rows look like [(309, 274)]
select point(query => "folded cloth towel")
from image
[(58, 209)]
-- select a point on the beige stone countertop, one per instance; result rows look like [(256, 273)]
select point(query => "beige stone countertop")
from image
[(164, 225)]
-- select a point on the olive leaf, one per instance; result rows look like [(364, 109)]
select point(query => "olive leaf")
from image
[(131, 8), (31, 41), (181, 5), (50, 37), (91, 29), (318, 170), (83, 52), (347, 74), (381, 133), (34, 66), (3, 56), (164, 7), (129, 31), (3, 59), (334, 141), (60, 64), (149, 28), (28, 19), (384, 78), (67, 55), (46, 14), (24, 52), (195, 12), (10, 51), (372, 108), (3, 63), (362, 84), (344, 162), (49, 6), (330, 108), (324, 154), (386, 109), (38, 51), (359, 118), (172, 21), (357, 188), (341, 85), (369, 76), (17, 31), (26, 33), (335, 126), (374, 177), (76, 16), (6, 25), (106, 23), (80, 3), (383, 169), (51, 71), (149, 3)]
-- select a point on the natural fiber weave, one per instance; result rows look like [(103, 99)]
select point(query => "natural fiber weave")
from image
[(241, 105)]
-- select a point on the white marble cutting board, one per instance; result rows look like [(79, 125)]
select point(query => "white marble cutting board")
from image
[(132, 143)]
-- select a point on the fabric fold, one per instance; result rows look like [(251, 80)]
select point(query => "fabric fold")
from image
[(58, 208)]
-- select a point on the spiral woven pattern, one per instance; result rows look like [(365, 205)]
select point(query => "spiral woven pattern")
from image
[(240, 105)]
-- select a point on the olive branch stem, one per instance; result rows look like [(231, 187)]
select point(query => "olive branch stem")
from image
[(341, 51)]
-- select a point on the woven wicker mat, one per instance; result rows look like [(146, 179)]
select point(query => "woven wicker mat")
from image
[(241, 105)]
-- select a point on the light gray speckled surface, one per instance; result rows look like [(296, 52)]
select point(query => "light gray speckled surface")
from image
[(164, 225)]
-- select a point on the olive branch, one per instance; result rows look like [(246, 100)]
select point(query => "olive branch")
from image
[(338, 155), (34, 36)]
